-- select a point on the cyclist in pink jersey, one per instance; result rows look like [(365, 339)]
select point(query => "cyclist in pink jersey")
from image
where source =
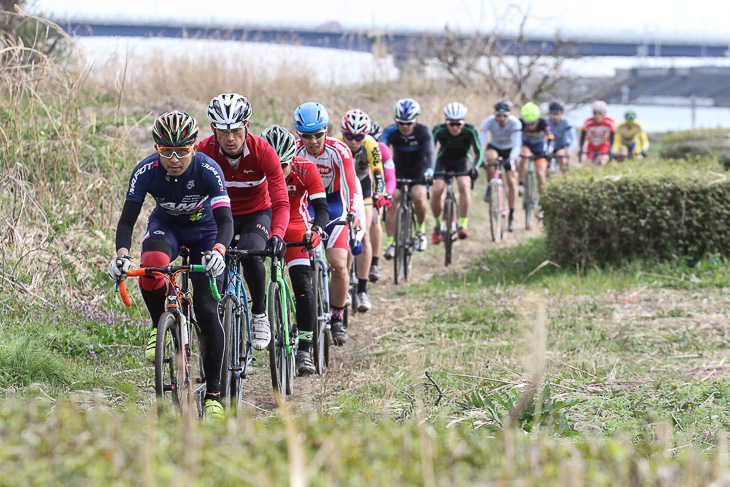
[(376, 228), (334, 161), (599, 130), (259, 200)]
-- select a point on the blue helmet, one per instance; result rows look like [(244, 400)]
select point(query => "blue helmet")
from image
[(310, 117), (407, 110)]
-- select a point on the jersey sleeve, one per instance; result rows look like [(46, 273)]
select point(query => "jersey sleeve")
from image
[(215, 184), (388, 168), (429, 154), (277, 191), (347, 171), (476, 146), (375, 157)]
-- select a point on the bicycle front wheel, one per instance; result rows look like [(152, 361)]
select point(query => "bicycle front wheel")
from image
[(495, 210), (401, 244), (528, 201), (276, 318), (169, 367), (319, 335), (450, 233)]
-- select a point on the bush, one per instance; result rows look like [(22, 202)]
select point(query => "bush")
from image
[(690, 144), (654, 209)]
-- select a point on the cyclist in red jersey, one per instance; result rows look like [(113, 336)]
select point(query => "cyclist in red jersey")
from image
[(259, 200), (600, 131), (334, 161), (304, 186)]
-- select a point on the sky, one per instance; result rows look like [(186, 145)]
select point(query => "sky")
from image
[(696, 20)]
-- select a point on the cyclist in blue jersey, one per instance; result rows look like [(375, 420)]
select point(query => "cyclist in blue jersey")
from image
[(564, 132), (505, 141), (192, 210), (456, 138), (413, 155)]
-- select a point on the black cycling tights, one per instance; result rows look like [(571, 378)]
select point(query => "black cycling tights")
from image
[(301, 283), (254, 270)]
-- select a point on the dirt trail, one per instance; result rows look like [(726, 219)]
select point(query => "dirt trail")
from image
[(390, 309)]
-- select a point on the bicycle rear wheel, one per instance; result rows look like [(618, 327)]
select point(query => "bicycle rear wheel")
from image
[(448, 219), (319, 334), (276, 364), (528, 202), (169, 368), (401, 244)]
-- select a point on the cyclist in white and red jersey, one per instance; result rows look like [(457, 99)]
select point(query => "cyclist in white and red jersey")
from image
[(600, 131), (334, 161), (376, 228), (259, 201), (305, 186)]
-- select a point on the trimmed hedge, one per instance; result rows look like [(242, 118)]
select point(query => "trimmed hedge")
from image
[(703, 143), (662, 209)]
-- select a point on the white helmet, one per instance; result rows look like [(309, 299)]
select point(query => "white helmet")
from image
[(600, 107), (356, 122), (229, 111), (455, 111)]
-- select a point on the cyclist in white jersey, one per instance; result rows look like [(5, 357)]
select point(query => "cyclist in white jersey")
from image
[(505, 141)]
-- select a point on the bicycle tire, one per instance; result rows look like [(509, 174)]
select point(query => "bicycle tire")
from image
[(495, 210), (319, 333), (230, 363), (169, 370), (528, 200), (448, 218), (400, 244), (274, 347), (410, 243), (288, 349), (198, 384)]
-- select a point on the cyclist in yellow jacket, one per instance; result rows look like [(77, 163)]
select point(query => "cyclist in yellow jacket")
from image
[(631, 140)]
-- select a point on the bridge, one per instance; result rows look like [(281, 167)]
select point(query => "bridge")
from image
[(400, 44)]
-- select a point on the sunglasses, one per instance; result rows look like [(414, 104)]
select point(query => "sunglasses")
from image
[(501, 115), (404, 123), (310, 136), (533, 122), (599, 112), (286, 162), (455, 124), (350, 136), (180, 152)]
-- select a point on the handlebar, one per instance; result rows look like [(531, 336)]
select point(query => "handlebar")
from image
[(167, 270)]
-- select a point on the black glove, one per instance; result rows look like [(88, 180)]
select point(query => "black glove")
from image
[(580, 155), (276, 246), (643, 153), (474, 173)]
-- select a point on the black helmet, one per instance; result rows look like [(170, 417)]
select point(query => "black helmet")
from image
[(503, 106), (556, 107), (175, 129)]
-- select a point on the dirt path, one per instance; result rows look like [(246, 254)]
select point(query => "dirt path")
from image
[(389, 309)]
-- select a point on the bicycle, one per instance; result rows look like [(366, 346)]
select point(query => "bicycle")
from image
[(498, 208), (405, 241), (595, 157), (179, 374), (236, 319), (449, 216), (530, 198), (553, 168)]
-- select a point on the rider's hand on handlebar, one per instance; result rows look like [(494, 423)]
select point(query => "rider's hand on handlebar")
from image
[(643, 153), (118, 268), (214, 262), (314, 238), (276, 246), (474, 173), (378, 200)]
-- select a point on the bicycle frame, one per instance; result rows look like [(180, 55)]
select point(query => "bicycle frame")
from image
[(451, 211), (499, 209), (236, 293), (404, 245)]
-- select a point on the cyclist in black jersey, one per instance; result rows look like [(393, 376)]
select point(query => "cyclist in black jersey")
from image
[(413, 155), (456, 138)]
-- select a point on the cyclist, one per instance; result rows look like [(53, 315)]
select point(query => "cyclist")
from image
[(600, 131), (537, 140), (456, 138), (259, 200), (367, 158), (632, 140), (334, 161), (192, 210), (376, 229), (413, 155), (505, 141), (564, 133), (304, 185)]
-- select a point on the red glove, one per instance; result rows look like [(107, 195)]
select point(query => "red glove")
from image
[(378, 200), (316, 239), (388, 201)]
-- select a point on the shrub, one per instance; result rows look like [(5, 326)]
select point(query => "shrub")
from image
[(654, 209), (690, 144)]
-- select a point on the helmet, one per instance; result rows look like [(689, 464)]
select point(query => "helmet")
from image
[(556, 107), (630, 115), (376, 131), (282, 141), (600, 107), (530, 112), (503, 106), (229, 111), (356, 122), (407, 110), (455, 111), (175, 129), (310, 117)]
